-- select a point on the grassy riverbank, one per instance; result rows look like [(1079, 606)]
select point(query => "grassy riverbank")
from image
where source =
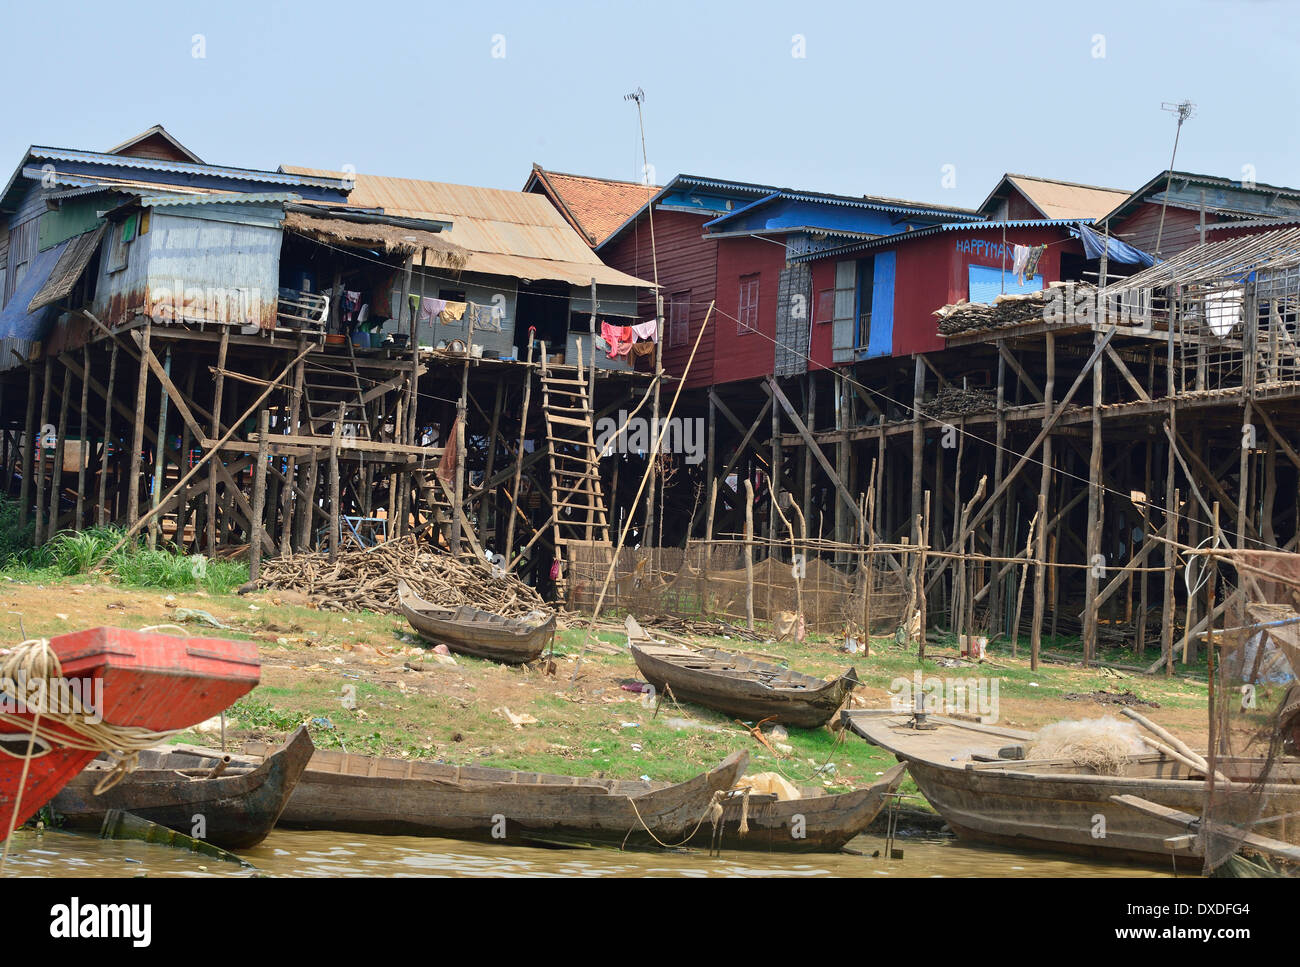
[(366, 684)]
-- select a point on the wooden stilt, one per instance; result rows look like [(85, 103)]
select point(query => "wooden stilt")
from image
[(749, 554), (60, 448), (259, 495), (31, 445), (39, 470), (83, 427), (137, 438), (103, 516), (1040, 573)]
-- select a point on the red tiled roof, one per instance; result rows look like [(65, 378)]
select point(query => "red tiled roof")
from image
[(595, 206)]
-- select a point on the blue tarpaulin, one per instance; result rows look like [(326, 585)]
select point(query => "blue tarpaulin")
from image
[(19, 329), (1117, 251)]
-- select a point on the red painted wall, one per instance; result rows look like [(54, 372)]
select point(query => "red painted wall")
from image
[(752, 355), (933, 271), (686, 263), (1180, 233)]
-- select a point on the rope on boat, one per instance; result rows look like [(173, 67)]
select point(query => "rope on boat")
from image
[(68, 723), (711, 812)]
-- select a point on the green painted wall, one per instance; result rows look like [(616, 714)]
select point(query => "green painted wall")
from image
[(72, 218)]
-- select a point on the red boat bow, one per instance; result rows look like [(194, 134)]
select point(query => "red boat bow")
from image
[(126, 678)]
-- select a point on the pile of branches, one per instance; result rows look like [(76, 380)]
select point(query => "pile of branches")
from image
[(1006, 310), (955, 401), (366, 580)]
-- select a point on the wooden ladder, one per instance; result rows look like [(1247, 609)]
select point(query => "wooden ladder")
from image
[(577, 503), (325, 386)]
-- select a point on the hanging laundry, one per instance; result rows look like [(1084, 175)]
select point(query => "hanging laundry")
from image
[(383, 304), (618, 337), (453, 312), (647, 330), (1031, 264), (446, 469), (482, 318), (1020, 257), (430, 309), (643, 348)]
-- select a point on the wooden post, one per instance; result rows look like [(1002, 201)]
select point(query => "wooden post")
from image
[(1167, 613), (1143, 601), (211, 524), (923, 530), (995, 531), (749, 554), (160, 451), (515, 504), (459, 493), (60, 444), (653, 455), (490, 464), (102, 516), (39, 470), (31, 446), (259, 494), (291, 464), (1090, 615), (83, 450), (1040, 569), (918, 394), (137, 439), (336, 438)]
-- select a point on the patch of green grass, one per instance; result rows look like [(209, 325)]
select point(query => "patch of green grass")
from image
[(69, 553)]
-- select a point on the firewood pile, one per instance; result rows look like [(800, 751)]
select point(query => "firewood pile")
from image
[(1006, 310), (366, 580), (954, 401)]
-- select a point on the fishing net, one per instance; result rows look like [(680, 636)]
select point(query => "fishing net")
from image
[(692, 583), (1252, 819)]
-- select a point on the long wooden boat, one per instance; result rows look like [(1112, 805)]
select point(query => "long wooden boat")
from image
[(817, 824), (232, 810), (155, 682), (473, 632), (742, 686), (1052, 804), (366, 794)]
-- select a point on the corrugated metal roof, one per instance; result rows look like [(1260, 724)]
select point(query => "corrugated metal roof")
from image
[(510, 233), (220, 198), (1063, 199), (93, 183), (286, 177), (885, 240), (598, 206)]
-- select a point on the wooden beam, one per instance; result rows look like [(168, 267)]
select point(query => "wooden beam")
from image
[(813, 448)]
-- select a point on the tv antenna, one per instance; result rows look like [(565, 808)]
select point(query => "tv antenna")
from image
[(1183, 110)]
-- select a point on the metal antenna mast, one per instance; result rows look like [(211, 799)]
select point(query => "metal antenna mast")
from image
[(1183, 110)]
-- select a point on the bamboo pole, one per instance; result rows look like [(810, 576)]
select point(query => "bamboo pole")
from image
[(137, 440), (519, 451), (749, 554)]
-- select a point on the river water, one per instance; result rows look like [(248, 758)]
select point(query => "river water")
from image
[(55, 853)]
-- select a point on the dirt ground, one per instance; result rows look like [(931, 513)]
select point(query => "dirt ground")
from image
[(365, 683)]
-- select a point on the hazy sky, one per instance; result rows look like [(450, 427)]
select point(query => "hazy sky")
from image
[(882, 98)]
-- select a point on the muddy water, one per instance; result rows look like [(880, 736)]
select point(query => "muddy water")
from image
[(284, 853)]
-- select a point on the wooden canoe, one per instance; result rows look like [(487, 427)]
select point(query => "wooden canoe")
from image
[(1051, 804), (817, 824), (233, 810), (473, 632), (743, 687), (367, 794)]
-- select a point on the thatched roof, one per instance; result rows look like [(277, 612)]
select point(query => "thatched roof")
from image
[(392, 239)]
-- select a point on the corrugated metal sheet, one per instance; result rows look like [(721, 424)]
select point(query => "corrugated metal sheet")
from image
[(285, 177), (511, 233), (76, 256), (888, 240), (220, 198)]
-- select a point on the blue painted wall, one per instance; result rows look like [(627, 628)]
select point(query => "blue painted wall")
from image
[(882, 308)]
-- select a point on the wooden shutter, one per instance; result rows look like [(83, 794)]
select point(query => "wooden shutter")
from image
[(845, 321)]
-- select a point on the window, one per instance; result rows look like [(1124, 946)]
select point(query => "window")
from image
[(747, 306), (866, 282), (679, 319), (846, 290), (825, 306), (118, 242)]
